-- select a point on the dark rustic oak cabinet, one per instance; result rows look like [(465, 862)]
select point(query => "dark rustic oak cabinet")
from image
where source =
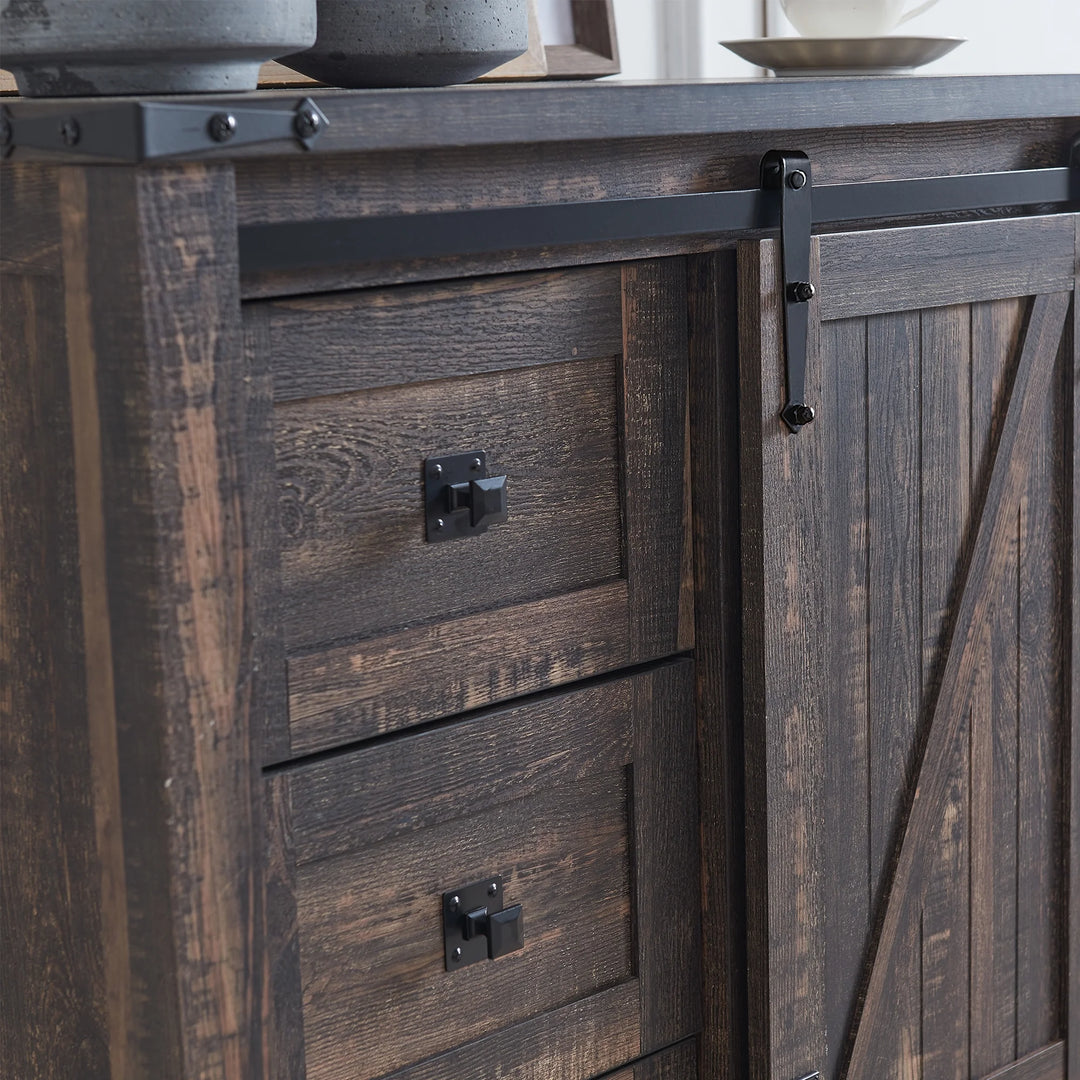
[(772, 736)]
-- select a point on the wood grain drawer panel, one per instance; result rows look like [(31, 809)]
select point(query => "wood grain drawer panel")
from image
[(368, 628), (354, 558), (343, 342), (584, 802)]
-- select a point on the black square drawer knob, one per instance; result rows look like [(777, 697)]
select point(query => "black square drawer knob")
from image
[(506, 932)]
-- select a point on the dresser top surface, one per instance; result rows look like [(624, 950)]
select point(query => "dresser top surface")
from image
[(477, 115)]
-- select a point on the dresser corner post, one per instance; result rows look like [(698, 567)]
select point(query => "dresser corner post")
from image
[(159, 398)]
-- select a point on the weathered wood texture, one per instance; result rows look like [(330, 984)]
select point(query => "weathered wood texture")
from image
[(54, 878), (714, 423), (322, 187), (943, 650), (1047, 1063), (677, 1063), (586, 414), (1072, 513), (146, 639), (585, 804)]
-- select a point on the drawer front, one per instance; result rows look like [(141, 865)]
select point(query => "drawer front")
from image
[(585, 805), (574, 386)]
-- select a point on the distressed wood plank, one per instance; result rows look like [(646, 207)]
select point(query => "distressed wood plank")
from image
[(653, 396), (339, 343), (667, 869), (161, 334), (1041, 717), (945, 418), (1072, 519), (370, 688), (785, 726), (60, 1012), (1046, 1063), (1030, 386), (997, 334), (714, 423), (847, 883), (937, 265)]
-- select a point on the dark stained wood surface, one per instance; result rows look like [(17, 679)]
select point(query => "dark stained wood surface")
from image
[(369, 688), (655, 495), (1046, 1063), (355, 562), (976, 944), (592, 570), (602, 856), (377, 120), (342, 343), (783, 551), (158, 330), (451, 178), (676, 1063), (1071, 515), (56, 863), (979, 260), (714, 422)]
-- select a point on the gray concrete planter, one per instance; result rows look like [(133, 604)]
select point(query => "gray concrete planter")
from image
[(75, 47), (413, 42)]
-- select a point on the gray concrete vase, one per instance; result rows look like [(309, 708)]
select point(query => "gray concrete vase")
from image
[(84, 47), (413, 42)]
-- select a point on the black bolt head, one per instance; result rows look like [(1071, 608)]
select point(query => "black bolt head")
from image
[(492, 889), (801, 291), (70, 131), (222, 127), (307, 123), (802, 414), (797, 179)]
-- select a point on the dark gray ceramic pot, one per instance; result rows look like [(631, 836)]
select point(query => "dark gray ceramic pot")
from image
[(413, 42), (69, 47)]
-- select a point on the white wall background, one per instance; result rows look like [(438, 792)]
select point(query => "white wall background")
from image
[(676, 39)]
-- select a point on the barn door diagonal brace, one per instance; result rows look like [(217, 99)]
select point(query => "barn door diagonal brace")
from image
[(787, 172)]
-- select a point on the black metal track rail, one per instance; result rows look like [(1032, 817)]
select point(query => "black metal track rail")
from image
[(296, 245)]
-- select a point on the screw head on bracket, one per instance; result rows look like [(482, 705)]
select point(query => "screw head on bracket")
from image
[(307, 123), (221, 126), (802, 414), (70, 132), (797, 179), (801, 292)]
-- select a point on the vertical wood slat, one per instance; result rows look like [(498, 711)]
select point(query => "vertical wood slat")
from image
[(714, 422), (654, 416), (945, 413), (782, 497), (1072, 512), (56, 1016), (997, 328), (1040, 606), (847, 884), (164, 344), (666, 858), (1030, 386), (894, 616)]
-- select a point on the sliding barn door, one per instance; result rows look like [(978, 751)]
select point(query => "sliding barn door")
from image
[(908, 637)]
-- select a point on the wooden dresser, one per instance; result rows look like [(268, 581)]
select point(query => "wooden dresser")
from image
[(427, 653)]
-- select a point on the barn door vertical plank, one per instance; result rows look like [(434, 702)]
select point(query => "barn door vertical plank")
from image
[(1042, 744), (945, 378), (1072, 512), (997, 333), (847, 844), (895, 636), (784, 632)]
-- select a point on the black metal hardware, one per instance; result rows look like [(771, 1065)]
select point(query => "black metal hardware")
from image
[(476, 925), (460, 499), (788, 172), (294, 245), (811, 1076), (144, 130)]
